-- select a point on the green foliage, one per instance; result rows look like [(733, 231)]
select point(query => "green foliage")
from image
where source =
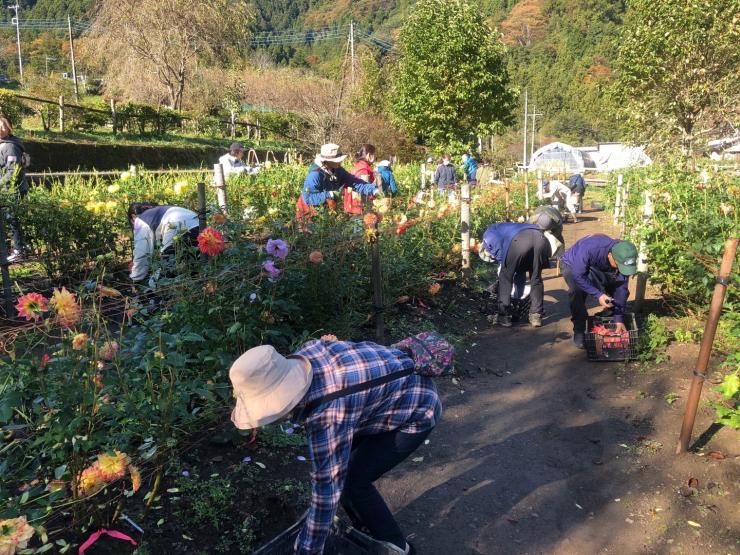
[(728, 407), (678, 70), (654, 339), (12, 108), (450, 82)]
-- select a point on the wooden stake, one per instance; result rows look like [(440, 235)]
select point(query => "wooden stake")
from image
[(642, 267), (61, 114), (202, 215), (465, 227), (113, 114), (710, 329), (220, 182), (618, 200), (377, 287)]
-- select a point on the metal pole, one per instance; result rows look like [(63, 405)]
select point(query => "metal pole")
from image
[(377, 282), (534, 125), (715, 310), (72, 55), (465, 227), (220, 181), (7, 285), (524, 147)]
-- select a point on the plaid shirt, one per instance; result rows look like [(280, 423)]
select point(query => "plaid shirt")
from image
[(409, 404)]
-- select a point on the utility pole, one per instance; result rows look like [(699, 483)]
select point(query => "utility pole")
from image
[(16, 21), (526, 115), (352, 49), (72, 54), (534, 115)]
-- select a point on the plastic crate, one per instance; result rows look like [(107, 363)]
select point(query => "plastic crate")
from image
[(343, 540), (602, 348), (519, 307)]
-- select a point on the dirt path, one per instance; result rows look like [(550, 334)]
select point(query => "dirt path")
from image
[(541, 451)]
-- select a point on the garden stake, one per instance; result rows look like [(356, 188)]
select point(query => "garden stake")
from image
[(465, 228), (715, 309), (220, 184), (642, 268), (152, 493), (202, 219), (377, 286), (61, 114), (618, 200), (7, 286)]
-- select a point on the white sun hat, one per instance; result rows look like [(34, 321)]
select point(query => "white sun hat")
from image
[(330, 153), (267, 386)]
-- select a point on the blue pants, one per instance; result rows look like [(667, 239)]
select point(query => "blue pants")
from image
[(371, 457)]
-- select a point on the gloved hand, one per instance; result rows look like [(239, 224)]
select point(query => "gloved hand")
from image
[(485, 256)]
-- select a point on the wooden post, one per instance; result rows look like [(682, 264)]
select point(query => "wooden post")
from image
[(202, 215), (507, 189), (61, 114), (233, 124), (220, 182), (715, 310), (618, 200), (642, 268), (7, 284), (113, 114), (377, 282), (465, 227)]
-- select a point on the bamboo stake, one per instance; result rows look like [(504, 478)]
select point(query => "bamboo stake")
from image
[(710, 329)]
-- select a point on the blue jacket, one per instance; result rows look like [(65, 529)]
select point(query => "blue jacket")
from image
[(319, 183), (387, 182), (592, 252), (577, 184), (498, 237), (470, 168), (444, 176)]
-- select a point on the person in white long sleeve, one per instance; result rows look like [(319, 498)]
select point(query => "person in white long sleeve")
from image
[(158, 227), (560, 195), (233, 161)]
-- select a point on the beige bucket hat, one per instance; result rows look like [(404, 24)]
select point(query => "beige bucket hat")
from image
[(330, 153), (267, 386)]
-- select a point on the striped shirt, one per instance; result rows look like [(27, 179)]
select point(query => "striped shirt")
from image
[(409, 404)]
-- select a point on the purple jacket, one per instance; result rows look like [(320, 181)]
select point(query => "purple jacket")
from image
[(591, 252)]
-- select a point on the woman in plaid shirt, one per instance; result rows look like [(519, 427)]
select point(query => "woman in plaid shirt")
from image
[(354, 438)]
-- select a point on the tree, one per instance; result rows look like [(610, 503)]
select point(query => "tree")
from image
[(678, 70), (450, 82), (167, 38)]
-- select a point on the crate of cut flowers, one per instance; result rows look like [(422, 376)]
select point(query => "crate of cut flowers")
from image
[(605, 343)]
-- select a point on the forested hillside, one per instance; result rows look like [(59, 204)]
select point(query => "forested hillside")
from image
[(560, 50)]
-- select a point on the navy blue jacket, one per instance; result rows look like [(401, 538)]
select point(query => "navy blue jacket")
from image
[(498, 237), (319, 184), (445, 175), (592, 252), (577, 184)]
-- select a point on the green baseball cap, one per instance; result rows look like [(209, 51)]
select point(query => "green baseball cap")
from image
[(625, 254)]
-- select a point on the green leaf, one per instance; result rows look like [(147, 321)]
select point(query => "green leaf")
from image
[(730, 386)]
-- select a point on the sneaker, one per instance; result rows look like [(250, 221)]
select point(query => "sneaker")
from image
[(504, 320), (578, 340), (535, 320), (14, 256)]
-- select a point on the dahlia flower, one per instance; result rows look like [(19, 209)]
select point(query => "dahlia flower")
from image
[(211, 242), (32, 305)]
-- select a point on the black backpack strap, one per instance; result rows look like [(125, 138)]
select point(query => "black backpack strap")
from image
[(351, 390)]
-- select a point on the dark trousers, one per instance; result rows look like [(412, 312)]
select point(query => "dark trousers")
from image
[(371, 457), (577, 296), (529, 252)]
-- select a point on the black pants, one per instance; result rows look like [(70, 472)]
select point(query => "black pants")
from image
[(529, 252), (577, 296), (371, 457)]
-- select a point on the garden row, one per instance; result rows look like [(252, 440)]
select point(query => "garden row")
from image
[(690, 216), (100, 393)]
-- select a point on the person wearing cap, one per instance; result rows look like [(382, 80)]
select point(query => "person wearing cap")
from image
[(387, 181), (520, 248), (561, 196), (599, 266), (470, 169), (233, 161), (325, 177), (353, 438)]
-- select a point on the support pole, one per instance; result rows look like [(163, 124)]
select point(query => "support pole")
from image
[(526, 192), (715, 310), (202, 215), (465, 228), (423, 175), (377, 282), (618, 200), (526, 115), (233, 124), (7, 284), (113, 114), (61, 114), (72, 55), (220, 183), (642, 268), (17, 22)]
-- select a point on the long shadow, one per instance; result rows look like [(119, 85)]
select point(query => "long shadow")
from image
[(482, 499)]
